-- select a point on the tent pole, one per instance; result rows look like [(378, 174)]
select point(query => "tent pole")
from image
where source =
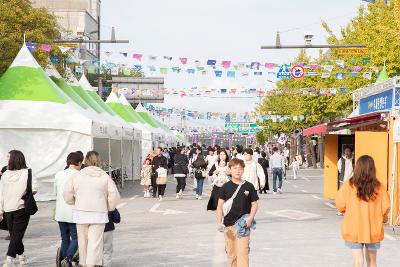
[(122, 164), (109, 155), (393, 182)]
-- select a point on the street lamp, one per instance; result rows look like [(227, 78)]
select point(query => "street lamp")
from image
[(307, 38)]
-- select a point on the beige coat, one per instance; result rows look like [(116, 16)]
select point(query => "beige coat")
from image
[(91, 189)]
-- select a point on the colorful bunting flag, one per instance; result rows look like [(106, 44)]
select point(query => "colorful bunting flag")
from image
[(137, 56), (226, 64), (211, 62), (45, 48), (340, 75), (367, 75), (31, 46), (183, 60), (218, 73), (231, 74)]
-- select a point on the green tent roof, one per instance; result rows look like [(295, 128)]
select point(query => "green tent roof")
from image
[(383, 76), (130, 109), (118, 108), (85, 97), (26, 80)]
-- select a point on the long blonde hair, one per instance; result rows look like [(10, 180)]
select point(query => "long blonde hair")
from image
[(92, 159)]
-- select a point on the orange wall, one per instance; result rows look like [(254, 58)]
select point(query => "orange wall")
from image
[(330, 166)]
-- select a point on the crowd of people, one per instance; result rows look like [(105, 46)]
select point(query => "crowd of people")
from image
[(235, 177)]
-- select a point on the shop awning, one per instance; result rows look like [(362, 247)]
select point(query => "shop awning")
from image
[(317, 129), (359, 121)]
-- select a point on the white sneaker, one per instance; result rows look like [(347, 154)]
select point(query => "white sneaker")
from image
[(180, 192), (279, 191), (160, 198), (22, 260), (273, 192), (197, 196), (178, 196)]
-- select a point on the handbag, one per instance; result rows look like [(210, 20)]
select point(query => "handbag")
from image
[(200, 173), (226, 208), (29, 201), (161, 176)]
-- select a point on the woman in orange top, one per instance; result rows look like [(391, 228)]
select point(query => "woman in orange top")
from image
[(365, 204)]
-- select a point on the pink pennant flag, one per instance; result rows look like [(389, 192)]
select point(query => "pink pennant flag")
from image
[(183, 60), (45, 48), (269, 65), (138, 56), (226, 64), (313, 67), (357, 68)]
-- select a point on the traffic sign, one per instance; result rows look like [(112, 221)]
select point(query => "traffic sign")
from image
[(297, 72), (284, 72)]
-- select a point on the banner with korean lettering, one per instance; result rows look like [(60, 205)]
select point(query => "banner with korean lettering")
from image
[(378, 102)]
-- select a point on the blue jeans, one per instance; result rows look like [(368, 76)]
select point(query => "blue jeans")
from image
[(69, 240), (199, 189), (277, 173)]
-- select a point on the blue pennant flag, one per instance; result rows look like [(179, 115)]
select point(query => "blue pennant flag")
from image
[(218, 73), (190, 71), (31, 46), (138, 67), (54, 59), (211, 62), (152, 68), (231, 74)]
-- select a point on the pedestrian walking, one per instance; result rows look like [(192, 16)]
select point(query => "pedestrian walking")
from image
[(108, 248), (199, 168), (253, 171), (219, 171), (3, 223), (295, 167), (63, 211), (180, 170), (277, 165), (91, 183), (145, 177), (15, 185), (237, 208), (365, 204), (211, 158), (263, 161), (159, 161), (345, 166)]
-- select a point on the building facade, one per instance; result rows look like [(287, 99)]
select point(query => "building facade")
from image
[(78, 19)]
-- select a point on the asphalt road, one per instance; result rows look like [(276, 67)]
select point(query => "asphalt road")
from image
[(297, 228)]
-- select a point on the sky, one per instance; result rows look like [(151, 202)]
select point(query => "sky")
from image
[(218, 29)]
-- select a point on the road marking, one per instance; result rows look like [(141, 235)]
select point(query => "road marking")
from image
[(134, 197), (304, 178), (294, 214), (121, 205), (295, 186), (330, 205), (390, 237), (164, 212), (316, 197), (304, 191)]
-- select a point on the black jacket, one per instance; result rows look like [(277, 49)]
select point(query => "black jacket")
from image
[(181, 163), (113, 217), (265, 165), (159, 161)]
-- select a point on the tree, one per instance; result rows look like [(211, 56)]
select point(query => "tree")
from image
[(18, 17), (378, 27)]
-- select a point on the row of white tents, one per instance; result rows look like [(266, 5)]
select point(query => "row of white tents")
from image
[(47, 117)]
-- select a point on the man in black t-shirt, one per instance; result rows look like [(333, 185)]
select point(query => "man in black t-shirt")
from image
[(245, 203)]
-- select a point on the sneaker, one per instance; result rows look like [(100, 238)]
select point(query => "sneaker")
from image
[(160, 198), (279, 191), (10, 264), (22, 260), (197, 196), (178, 196), (65, 263), (274, 193), (339, 213), (180, 192)]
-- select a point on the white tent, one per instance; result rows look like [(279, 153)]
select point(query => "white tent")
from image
[(39, 119)]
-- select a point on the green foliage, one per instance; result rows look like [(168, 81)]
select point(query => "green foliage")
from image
[(18, 17), (378, 28)]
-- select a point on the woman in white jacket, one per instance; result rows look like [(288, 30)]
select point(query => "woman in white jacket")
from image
[(93, 193), (253, 171), (13, 186), (63, 213)]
